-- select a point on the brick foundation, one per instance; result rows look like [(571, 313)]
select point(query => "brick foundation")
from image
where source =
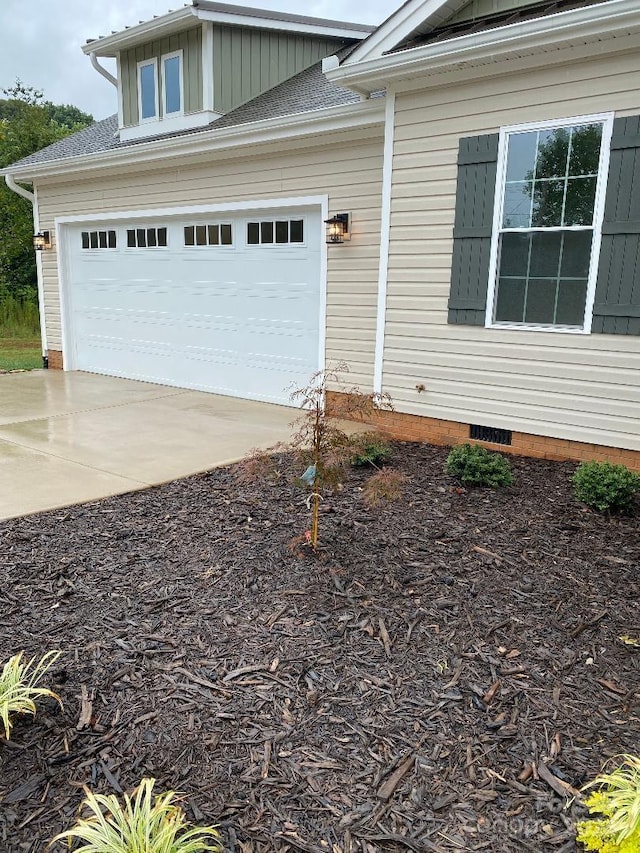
[(55, 359), (434, 431)]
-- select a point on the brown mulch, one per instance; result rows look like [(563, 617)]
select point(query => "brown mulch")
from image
[(442, 676)]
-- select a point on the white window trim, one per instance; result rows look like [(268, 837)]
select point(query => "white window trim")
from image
[(163, 59), (275, 245), (143, 63), (606, 119)]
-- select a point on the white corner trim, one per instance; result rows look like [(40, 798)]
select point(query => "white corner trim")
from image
[(40, 276), (207, 67), (120, 97), (176, 54), (171, 124), (598, 217), (385, 234), (592, 22), (139, 66), (324, 277)]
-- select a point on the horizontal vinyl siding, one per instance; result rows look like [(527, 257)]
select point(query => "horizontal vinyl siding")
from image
[(579, 387), (353, 183)]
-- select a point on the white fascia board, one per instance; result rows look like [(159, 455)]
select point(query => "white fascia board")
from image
[(591, 22), (146, 31), (363, 114), (401, 24), (257, 22)]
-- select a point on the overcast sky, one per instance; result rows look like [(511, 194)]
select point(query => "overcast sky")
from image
[(40, 41)]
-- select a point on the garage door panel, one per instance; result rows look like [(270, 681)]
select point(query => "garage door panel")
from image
[(241, 320)]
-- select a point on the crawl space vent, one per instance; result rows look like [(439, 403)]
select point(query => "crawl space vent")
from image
[(491, 434)]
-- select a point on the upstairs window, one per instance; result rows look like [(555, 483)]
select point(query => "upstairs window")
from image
[(547, 220), (172, 83), (148, 90)]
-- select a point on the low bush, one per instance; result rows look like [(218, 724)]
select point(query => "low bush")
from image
[(476, 466), (617, 801), (386, 485), (369, 448), (145, 823), (604, 486), (18, 687)]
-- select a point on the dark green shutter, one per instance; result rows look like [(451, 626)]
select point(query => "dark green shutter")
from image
[(477, 161), (617, 302)]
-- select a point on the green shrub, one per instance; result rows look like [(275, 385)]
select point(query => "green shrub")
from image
[(476, 466), (617, 801), (605, 486), (369, 448)]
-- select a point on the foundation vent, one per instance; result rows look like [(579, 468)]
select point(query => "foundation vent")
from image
[(490, 434)]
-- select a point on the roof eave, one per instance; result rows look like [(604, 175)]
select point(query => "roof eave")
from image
[(344, 117), (155, 28), (603, 20)]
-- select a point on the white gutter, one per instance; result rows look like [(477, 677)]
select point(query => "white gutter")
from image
[(16, 188), (597, 22), (102, 70), (32, 198), (364, 114)]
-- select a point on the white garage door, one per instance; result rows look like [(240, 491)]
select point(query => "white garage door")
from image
[(226, 303)]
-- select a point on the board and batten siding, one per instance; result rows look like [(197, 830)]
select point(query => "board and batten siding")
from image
[(190, 42), (576, 387), (352, 182), (248, 62)]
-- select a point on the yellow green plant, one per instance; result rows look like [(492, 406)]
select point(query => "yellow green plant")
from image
[(144, 824), (617, 800), (18, 686)]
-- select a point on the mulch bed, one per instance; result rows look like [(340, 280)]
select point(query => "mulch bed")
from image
[(441, 676)]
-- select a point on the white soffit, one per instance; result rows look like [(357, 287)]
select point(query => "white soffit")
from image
[(413, 15), (239, 16), (589, 23)]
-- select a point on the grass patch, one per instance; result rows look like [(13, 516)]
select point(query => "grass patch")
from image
[(18, 354)]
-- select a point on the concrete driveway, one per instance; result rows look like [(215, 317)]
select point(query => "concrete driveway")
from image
[(67, 438)]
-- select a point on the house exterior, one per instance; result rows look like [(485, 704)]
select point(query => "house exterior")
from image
[(488, 155)]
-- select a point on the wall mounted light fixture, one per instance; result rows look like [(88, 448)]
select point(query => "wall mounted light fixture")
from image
[(338, 229), (42, 241)]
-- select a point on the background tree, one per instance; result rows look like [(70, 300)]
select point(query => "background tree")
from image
[(27, 124)]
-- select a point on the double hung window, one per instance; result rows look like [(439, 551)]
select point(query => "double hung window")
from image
[(548, 213)]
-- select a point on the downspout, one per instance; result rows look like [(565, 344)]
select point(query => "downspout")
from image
[(106, 74), (31, 198)]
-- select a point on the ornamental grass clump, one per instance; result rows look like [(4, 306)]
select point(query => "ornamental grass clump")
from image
[(476, 466), (617, 801), (369, 448), (144, 824), (19, 686), (604, 486)]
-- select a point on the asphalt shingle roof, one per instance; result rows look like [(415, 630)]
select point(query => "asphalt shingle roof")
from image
[(305, 92)]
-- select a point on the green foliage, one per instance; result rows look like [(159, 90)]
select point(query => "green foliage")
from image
[(617, 800), (369, 448), (18, 686), (145, 824), (476, 466), (604, 486), (27, 124), (19, 318)]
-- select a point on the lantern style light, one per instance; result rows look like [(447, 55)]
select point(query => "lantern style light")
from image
[(42, 241), (338, 229)]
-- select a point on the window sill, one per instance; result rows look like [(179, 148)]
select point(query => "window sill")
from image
[(531, 327), (167, 125)]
